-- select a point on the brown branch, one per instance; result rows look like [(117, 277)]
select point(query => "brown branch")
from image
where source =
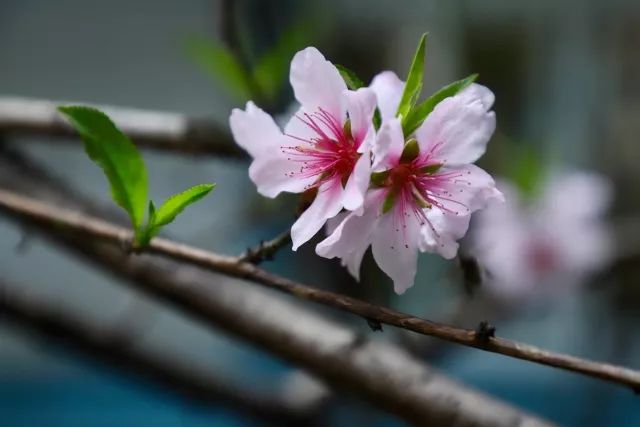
[(47, 215), (377, 372), (151, 129), (113, 347), (266, 250)]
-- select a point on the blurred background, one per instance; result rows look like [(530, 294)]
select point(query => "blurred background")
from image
[(567, 99)]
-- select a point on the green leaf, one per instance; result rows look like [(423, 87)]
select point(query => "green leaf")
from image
[(527, 170), (350, 78), (116, 155), (175, 204), (410, 151), (152, 212), (379, 179), (432, 168), (377, 118), (413, 85), (346, 128), (221, 65), (389, 200), (271, 70), (417, 115)]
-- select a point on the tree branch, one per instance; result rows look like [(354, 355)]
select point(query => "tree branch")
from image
[(113, 347), (151, 129), (377, 372), (77, 223), (266, 250)]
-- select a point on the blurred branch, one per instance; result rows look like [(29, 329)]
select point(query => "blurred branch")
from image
[(152, 129), (114, 348), (49, 216), (378, 372)]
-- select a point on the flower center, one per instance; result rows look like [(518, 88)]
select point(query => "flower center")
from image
[(541, 257), (420, 184), (329, 154)]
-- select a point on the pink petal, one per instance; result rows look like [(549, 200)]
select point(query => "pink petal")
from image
[(388, 88), (326, 205), (395, 247), (350, 239), (360, 106), (316, 82), (272, 176), (255, 131), (577, 196), (389, 145), (458, 129), (297, 128), (358, 183), (466, 189), (478, 92), (442, 233)]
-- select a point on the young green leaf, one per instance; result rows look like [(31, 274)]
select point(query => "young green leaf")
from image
[(152, 212), (527, 169), (413, 86), (175, 204), (221, 65), (350, 78), (116, 155), (417, 115)]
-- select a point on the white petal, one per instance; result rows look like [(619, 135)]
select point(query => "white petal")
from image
[(351, 238), (388, 88), (478, 92), (327, 204), (458, 129), (255, 131), (316, 82), (442, 232), (465, 189), (296, 130), (576, 196), (358, 183), (360, 106), (333, 223), (272, 176), (395, 247), (388, 146)]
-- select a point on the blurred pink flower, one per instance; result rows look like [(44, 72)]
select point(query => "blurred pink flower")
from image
[(549, 246), (320, 148), (424, 192)]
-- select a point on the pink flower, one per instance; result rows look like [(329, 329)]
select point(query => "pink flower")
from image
[(423, 192), (325, 145), (549, 246)]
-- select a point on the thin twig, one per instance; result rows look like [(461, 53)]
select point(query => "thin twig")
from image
[(266, 250), (151, 129), (377, 372), (63, 327), (50, 216)]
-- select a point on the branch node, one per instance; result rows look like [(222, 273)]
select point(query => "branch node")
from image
[(129, 245), (484, 331), (266, 250), (374, 324)]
